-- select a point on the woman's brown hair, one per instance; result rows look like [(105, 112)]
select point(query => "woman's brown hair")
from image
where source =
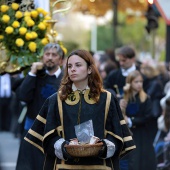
[(94, 80), (128, 92)]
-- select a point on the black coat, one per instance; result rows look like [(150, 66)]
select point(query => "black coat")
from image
[(115, 78), (35, 90), (143, 157)]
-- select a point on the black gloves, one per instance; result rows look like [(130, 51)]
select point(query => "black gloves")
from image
[(103, 151), (66, 155)]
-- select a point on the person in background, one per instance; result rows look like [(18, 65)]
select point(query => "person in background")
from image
[(80, 98), (42, 81), (111, 53), (137, 109), (164, 75), (105, 68), (164, 145), (5, 102), (154, 89), (116, 78), (16, 105)]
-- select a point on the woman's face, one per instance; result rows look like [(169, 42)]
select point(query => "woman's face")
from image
[(137, 84), (78, 70)]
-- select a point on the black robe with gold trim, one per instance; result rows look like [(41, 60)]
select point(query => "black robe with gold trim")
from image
[(57, 120)]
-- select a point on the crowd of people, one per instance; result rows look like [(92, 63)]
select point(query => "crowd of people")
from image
[(127, 101)]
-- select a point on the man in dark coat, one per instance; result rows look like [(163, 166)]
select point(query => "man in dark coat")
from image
[(116, 78), (41, 82)]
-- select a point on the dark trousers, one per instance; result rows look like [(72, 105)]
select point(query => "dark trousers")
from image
[(5, 114)]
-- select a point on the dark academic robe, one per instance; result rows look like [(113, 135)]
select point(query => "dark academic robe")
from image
[(143, 157), (115, 81), (57, 120)]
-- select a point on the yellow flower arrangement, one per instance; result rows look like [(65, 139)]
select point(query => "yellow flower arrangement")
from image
[(23, 34)]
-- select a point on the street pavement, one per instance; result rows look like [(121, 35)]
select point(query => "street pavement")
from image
[(9, 146)]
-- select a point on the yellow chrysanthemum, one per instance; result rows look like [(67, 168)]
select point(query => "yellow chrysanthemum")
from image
[(32, 46), (28, 36), (5, 18), (15, 24), (47, 18), (26, 18), (27, 13), (46, 23), (30, 23), (22, 30), (41, 26), (4, 8), (44, 12), (34, 14), (39, 10), (9, 30), (1, 37), (19, 42), (18, 14), (15, 6), (44, 41), (34, 34)]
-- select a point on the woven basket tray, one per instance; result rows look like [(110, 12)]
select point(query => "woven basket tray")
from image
[(85, 150)]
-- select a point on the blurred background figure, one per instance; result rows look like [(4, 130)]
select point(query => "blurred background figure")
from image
[(112, 56), (163, 73), (136, 106), (162, 128), (163, 146), (154, 88), (105, 64), (17, 126), (116, 79), (5, 101)]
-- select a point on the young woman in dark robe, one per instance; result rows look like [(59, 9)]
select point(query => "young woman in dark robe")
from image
[(81, 98)]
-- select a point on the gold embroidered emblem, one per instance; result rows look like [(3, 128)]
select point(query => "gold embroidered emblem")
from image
[(88, 98), (74, 97)]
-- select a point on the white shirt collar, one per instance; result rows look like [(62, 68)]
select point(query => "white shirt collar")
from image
[(57, 73), (125, 72), (74, 88)]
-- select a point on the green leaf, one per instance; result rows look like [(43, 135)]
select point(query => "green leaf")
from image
[(13, 59), (26, 61), (20, 61)]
